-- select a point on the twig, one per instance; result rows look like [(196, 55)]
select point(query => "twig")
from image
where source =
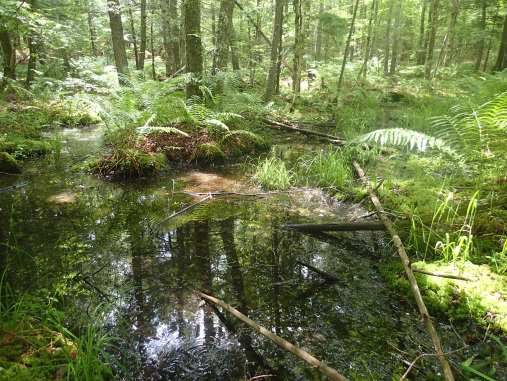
[(450, 276), (325, 275), (261, 376), (209, 197), (342, 227), (302, 354), (448, 376)]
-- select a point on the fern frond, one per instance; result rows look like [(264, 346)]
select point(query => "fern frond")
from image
[(410, 139), (146, 130)]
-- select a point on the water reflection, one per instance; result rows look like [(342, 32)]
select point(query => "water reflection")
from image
[(108, 244)]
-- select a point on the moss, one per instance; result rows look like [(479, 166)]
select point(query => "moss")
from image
[(128, 163), (241, 142), (8, 163), (208, 153), (483, 298), (21, 147)]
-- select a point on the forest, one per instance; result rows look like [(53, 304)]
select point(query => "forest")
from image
[(253, 190)]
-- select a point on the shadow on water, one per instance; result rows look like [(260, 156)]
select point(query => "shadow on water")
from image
[(101, 242)]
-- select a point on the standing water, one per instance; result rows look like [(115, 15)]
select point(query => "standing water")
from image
[(119, 248)]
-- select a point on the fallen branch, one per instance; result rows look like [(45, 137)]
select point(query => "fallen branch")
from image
[(278, 125), (343, 227), (209, 197), (448, 376), (323, 274), (440, 275), (302, 354)]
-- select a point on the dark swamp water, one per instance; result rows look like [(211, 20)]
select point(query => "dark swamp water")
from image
[(111, 244)]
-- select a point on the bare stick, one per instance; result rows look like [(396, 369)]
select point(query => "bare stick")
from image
[(303, 355), (284, 126), (450, 276), (208, 197), (448, 376), (325, 275)]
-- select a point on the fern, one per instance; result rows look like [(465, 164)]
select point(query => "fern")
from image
[(406, 138), (146, 130)]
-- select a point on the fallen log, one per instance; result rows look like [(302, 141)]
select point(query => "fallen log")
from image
[(278, 125), (342, 227), (302, 354), (448, 376)]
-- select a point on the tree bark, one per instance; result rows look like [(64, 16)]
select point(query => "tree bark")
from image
[(133, 33), (347, 47), (174, 31), (120, 54), (142, 46), (367, 50), (166, 37), (193, 46), (431, 40), (421, 54), (387, 42), (501, 61), (224, 34), (92, 30), (32, 49), (273, 75), (448, 47), (318, 38), (298, 46), (426, 318), (9, 55), (397, 37), (482, 40)]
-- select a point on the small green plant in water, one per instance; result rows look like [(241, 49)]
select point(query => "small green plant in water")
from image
[(272, 174)]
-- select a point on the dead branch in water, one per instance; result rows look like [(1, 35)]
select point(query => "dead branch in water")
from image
[(175, 214), (448, 376), (302, 354), (439, 275), (323, 274), (342, 227)]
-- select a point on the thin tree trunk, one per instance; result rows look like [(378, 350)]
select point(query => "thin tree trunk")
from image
[(347, 47), (32, 51), (432, 38), (92, 30), (153, 69), (318, 38), (421, 54), (9, 55), (501, 61), (234, 51), (166, 37), (397, 37), (448, 48), (488, 53), (193, 44), (426, 318), (174, 35), (273, 75), (482, 40), (387, 42), (120, 54), (367, 50), (133, 33), (142, 46), (223, 42), (298, 46)]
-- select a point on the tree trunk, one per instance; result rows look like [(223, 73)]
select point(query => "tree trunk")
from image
[(32, 49), (193, 46), (142, 46), (120, 54), (92, 30), (276, 43), (9, 55), (432, 38), (448, 48), (133, 33), (347, 47), (298, 46), (153, 68), (318, 38), (501, 61), (397, 37), (387, 42), (166, 37), (367, 50), (421, 54), (482, 40), (174, 31), (224, 34), (234, 51)]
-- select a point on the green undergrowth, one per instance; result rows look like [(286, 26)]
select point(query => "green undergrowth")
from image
[(36, 343), (151, 126), (482, 297)]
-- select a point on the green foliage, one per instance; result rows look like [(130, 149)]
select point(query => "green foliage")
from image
[(8, 164), (240, 142), (208, 153), (326, 169), (272, 174)]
